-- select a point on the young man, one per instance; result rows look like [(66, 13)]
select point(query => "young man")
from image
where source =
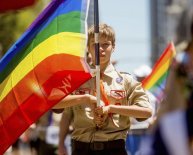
[(103, 130)]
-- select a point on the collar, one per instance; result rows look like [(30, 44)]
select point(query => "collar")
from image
[(108, 71)]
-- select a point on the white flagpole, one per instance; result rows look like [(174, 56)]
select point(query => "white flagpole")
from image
[(97, 55)]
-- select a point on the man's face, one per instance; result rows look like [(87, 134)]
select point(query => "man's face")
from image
[(105, 50)]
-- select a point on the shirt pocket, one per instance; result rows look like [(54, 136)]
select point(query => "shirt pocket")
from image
[(118, 96)]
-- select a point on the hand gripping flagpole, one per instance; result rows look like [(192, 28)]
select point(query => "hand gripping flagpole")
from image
[(97, 55)]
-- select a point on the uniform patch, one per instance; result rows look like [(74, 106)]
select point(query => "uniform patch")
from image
[(119, 79), (82, 91), (118, 94)]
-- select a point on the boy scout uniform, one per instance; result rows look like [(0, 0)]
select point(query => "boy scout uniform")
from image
[(121, 89)]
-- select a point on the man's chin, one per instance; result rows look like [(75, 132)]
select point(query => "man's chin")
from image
[(102, 62)]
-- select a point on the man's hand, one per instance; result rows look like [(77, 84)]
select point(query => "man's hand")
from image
[(62, 150), (100, 116), (92, 101), (104, 110)]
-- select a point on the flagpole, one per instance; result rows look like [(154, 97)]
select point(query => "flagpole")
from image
[(97, 55)]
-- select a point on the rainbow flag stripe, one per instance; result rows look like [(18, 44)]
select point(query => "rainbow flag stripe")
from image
[(42, 67), (156, 81)]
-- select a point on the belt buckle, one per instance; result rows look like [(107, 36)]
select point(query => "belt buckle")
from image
[(97, 146)]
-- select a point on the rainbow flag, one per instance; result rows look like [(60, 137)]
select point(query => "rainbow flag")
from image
[(156, 81), (42, 67)]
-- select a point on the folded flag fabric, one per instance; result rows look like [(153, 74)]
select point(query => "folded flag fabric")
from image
[(8, 5), (42, 67), (156, 81)]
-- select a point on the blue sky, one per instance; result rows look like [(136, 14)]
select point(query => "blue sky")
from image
[(130, 20)]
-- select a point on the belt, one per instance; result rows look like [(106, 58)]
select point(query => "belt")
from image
[(98, 146)]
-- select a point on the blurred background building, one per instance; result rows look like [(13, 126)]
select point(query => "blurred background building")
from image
[(170, 21)]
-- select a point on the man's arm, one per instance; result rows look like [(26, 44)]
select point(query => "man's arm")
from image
[(64, 129), (131, 111), (72, 100)]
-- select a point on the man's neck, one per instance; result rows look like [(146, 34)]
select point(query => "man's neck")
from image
[(104, 66)]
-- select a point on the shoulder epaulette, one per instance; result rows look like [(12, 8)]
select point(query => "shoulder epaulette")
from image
[(125, 73)]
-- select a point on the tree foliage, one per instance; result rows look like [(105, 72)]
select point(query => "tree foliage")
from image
[(14, 23)]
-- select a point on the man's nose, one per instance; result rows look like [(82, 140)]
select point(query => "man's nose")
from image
[(101, 47)]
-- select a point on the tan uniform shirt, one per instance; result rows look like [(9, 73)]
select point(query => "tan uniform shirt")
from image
[(121, 89)]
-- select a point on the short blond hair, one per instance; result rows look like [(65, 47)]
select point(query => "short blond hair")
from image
[(105, 31)]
